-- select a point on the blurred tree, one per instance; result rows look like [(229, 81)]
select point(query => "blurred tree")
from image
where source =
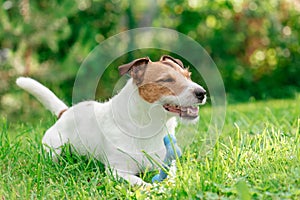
[(255, 44), (51, 39)]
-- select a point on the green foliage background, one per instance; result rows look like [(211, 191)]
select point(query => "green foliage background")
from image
[(255, 44)]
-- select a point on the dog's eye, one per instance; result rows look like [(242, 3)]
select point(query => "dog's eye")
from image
[(166, 80)]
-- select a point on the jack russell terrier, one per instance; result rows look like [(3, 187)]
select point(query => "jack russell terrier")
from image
[(134, 122)]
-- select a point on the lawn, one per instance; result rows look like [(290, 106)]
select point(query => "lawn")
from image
[(256, 157)]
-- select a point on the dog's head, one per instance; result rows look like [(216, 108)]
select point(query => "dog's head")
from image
[(167, 83)]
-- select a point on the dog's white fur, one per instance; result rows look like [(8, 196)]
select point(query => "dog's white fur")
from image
[(115, 132)]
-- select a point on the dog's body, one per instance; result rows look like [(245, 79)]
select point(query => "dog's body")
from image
[(119, 131)]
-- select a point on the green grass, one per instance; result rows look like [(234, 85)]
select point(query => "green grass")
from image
[(256, 157)]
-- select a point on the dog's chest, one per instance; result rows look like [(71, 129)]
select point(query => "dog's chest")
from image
[(130, 148)]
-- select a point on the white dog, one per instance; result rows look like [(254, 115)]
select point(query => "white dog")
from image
[(120, 131)]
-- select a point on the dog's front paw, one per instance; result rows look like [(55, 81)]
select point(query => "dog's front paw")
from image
[(144, 188)]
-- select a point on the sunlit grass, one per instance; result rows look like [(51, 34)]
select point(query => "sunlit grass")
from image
[(256, 157)]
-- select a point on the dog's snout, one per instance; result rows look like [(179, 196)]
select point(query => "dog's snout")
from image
[(200, 93)]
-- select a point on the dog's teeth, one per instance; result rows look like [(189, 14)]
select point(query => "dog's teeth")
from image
[(191, 111)]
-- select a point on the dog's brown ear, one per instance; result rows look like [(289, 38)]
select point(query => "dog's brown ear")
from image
[(167, 57), (123, 69)]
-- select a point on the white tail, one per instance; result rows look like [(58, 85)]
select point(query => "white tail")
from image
[(43, 94)]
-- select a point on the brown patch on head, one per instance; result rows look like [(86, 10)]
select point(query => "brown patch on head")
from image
[(186, 73), (162, 80), (157, 79), (176, 64), (167, 57), (151, 92)]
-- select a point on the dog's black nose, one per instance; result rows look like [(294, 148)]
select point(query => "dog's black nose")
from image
[(200, 93)]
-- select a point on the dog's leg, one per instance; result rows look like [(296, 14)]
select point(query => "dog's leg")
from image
[(53, 141), (132, 179)]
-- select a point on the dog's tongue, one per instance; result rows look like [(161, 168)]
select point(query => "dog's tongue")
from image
[(185, 112)]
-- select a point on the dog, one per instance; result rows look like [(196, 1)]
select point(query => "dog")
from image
[(123, 132)]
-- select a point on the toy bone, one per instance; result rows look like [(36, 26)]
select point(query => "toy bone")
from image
[(171, 145)]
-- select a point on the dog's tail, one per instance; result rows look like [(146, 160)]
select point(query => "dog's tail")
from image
[(43, 94)]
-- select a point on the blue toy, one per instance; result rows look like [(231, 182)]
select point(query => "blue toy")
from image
[(170, 145)]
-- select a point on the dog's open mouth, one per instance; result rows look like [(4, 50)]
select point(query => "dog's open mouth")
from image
[(189, 112)]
